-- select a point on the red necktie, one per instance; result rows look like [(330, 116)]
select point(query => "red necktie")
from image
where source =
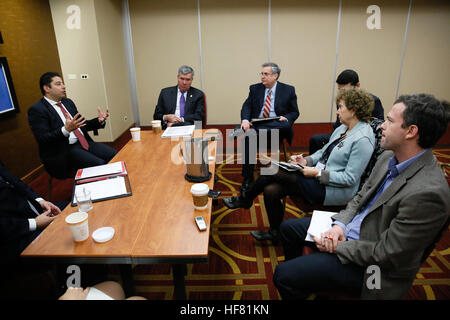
[(266, 111), (81, 139)]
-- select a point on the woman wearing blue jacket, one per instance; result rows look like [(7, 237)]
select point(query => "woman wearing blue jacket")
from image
[(331, 176)]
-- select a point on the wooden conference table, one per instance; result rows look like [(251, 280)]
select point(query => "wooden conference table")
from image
[(154, 225)]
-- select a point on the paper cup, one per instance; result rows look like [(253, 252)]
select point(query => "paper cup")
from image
[(156, 126), (199, 193), (78, 224), (136, 133)]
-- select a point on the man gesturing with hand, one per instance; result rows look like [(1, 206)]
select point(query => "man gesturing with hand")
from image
[(62, 132)]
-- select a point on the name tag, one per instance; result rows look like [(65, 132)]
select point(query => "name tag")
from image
[(319, 166)]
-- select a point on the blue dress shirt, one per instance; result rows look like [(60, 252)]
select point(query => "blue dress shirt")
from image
[(351, 230), (272, 102)]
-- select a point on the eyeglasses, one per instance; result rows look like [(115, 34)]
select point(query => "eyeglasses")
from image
[(266, 74)]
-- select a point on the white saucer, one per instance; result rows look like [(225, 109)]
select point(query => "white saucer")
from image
[(103, 234)]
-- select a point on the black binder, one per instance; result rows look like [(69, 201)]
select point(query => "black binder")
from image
[(98, 182)]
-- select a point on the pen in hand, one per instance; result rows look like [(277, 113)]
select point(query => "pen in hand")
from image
[(296, 157)]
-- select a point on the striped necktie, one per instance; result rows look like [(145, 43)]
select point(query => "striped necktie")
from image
[(267, 103), (81, 139)]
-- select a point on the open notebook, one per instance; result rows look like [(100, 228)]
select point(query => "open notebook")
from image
[(105, 182)]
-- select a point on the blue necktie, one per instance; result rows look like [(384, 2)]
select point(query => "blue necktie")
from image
[(182, 104)]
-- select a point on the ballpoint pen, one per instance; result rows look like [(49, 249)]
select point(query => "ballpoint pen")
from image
[(300, 155)]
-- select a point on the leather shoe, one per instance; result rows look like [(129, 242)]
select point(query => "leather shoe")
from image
[(245, 185), (237, 202), (271, 235)]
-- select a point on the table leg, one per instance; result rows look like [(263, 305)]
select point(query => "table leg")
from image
[(126, 273), (179, 271)]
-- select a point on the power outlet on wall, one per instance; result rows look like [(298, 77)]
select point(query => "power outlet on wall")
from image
[(84, 76)]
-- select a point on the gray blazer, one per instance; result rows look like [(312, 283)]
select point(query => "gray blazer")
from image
[(346, 163), (401, 224)]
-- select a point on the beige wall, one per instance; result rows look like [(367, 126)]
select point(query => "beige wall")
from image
[(375, 54), (235, 42), (96, 49), (234, 39), (164, 38), (427, 57), (304, 46), (114, 68)]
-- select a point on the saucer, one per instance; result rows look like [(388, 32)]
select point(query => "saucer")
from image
[(103, 234)]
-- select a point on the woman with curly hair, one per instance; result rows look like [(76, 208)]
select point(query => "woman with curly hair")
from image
[(330, 176)]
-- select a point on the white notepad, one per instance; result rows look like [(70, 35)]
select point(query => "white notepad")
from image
[(178, 132), (320, 222), (107, 188)]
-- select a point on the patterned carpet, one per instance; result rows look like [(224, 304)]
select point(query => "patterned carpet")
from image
[(239, 267)]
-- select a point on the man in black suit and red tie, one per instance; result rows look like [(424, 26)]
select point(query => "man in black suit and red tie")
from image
[(267, 99), (180, 105), (62, 132)]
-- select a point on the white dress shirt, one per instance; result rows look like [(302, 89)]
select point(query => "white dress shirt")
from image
[(72, 137)]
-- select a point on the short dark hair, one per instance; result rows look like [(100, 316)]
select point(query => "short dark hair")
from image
[(46, 79), (429, 114), (348, 76)]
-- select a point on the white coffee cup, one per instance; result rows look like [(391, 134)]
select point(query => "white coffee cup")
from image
[(136, 133), (199, 193), (83, 198), (156, 126), (78, 224)]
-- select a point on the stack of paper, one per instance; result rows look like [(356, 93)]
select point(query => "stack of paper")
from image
[(178, 132), (114, 168), (320, 222), (105, 182)]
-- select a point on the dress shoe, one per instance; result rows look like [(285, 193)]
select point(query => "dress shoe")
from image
[(246, 185), (237, 202), (271, 235)]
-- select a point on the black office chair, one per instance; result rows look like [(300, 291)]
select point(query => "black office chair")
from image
[(68, 175)]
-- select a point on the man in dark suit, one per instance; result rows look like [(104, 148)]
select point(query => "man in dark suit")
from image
[(267, 99), (62, 133), (180, 105), (23, 215), (346, 79), (377, 243)]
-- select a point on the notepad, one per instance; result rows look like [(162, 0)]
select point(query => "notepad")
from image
[(114, 168), (264, 119), (107, 188), (320, 222), (288, 166), (105, 182), (178, 132)]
